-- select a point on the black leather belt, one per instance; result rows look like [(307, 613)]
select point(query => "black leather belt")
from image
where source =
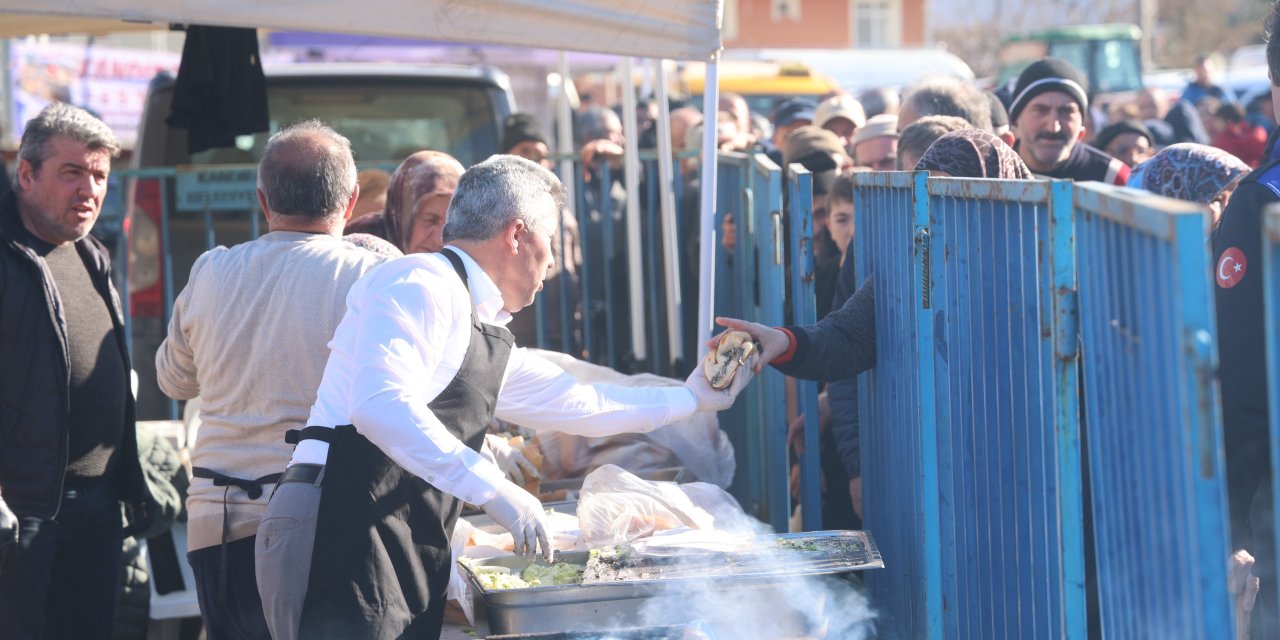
[(302, 472)]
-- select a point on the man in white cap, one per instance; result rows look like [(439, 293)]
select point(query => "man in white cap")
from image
[(875, 145), (841, 115)]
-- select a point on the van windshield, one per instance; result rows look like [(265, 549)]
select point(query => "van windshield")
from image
[(385, 120)]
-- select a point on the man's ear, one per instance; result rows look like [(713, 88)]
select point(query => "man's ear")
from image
[(351, 204), (26, 175), (1083, 132), (514, 233), (262, 202)]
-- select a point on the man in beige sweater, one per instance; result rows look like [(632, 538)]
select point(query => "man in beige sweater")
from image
[(249, 335)]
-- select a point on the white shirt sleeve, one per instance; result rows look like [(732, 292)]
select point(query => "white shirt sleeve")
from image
[(395, 352), (540, 395)]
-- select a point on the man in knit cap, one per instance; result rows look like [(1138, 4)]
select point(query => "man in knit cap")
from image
[(522, 136), (1046, 114)]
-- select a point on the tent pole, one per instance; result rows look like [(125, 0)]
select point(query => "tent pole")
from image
[(666, 198), (707, 237), (564, 134), (635, 259)]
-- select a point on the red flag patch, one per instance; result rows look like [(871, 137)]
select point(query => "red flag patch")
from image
[(1231, 268)]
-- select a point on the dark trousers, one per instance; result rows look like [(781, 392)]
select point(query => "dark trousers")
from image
[(64, 581), (228, 593)]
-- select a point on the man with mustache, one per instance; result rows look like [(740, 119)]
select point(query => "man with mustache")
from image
[(1047, 112)]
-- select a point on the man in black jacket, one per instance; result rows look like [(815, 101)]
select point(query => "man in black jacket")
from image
[(68, 452)]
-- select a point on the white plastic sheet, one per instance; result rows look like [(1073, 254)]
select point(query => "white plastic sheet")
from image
[(679, 29)]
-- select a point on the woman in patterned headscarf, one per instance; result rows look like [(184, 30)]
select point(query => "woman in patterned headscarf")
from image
[(1192, 172), (417, 201), (973, 153)]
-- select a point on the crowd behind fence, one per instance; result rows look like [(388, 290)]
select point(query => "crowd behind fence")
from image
[(1045, 357)]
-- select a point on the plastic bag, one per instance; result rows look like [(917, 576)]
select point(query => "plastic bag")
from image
[(696, 443), (616, 507)]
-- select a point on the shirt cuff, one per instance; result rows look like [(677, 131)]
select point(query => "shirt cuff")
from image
[(791, 348), (681, 403)]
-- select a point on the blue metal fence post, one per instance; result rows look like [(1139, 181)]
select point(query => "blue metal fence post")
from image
[(770, 417), (893, 505), (1066, 363), (804, 311), (922, 257)]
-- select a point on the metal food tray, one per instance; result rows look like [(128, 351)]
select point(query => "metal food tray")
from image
[(665, 632), (602, 605)]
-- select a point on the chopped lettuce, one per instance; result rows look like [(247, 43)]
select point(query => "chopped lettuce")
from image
[(536, 575), (539, 575)]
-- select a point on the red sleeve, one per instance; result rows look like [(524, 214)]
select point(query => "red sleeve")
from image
[(791, 348), (1122, 174)]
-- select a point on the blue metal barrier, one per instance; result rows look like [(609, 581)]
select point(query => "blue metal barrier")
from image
[(804, 310), (750, 284), (1152, 416), (898, 445), (768, 420), (1000, 264), (1271, 302), (969, 419)]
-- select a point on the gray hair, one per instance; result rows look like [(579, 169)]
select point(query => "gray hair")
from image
[(877, 101), (301, 173), (943, 96), (493, 193), (61, 119), (595, 123), (921, 134)]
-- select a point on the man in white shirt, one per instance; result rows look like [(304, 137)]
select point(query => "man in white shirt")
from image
[(413, 378), (248, 335)]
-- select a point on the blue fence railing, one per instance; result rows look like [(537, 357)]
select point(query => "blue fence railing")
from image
[(896, 425), (1153, 425), (750, 284), (804, 310), (1000, 270)]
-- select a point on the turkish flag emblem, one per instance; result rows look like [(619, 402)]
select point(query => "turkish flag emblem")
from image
[(1231, 268)]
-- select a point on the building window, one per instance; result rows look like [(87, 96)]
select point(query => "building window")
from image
[(877, 23), (785, 10)]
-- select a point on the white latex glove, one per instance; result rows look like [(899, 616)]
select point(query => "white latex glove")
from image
[(522, 515), (508, 459), (1241, 582), (711, 399)]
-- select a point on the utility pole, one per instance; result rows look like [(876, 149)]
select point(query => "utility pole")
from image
[(1147, 22)]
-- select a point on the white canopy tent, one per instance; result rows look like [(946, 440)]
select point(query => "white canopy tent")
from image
[(673, 29)]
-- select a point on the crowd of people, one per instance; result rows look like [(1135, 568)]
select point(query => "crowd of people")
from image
[(350, 361)]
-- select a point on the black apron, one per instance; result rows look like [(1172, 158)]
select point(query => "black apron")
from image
[(381, 561)]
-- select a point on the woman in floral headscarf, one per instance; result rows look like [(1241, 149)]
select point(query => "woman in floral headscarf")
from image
[(1192, 172), (973, 153), (417, 201)]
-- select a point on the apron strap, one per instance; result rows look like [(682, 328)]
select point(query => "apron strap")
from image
[(251, 487), (324, 434)]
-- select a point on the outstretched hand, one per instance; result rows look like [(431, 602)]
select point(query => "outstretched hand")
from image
[(773, 342)]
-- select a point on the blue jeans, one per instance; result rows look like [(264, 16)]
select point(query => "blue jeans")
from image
[(64, 581)]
